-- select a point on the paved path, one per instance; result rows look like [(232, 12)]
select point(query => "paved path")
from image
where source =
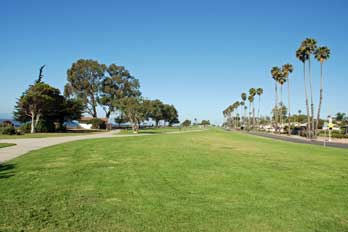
[(25, 145), (300, 140)]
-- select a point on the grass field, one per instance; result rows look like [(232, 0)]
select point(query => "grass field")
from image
[(200, 181), (161, 130), (6, 145)]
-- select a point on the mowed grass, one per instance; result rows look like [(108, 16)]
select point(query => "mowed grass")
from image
[(6, 145), (200, 181), (161, 130)]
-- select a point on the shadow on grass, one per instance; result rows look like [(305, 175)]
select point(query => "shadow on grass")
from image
[(6, 170)]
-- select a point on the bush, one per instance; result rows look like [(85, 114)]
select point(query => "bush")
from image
[(45, 126), (97, 123), (25, 128), (10, 130)]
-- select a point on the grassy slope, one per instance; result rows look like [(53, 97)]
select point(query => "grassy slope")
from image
[(6, 144), (161, 130), (206, 181)]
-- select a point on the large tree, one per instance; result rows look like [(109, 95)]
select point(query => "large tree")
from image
[(84, 80), (259, 92), (134, 110), (309, 45), (156, 111), (303, 56), (287, 69), (118, 84), (321, 54), (44, 102), (170, 114)]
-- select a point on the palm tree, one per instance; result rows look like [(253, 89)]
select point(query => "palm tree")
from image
[(321, 54), (287, 69), (281, 80), (251, 101), (242, 103), (259, 92), (252, 92), (302, 55), (244, 98), (310, 46), (275, 72)]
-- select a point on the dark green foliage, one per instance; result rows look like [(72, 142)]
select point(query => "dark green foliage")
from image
[(9, 130), (45, 126), (84, 81), (97, 123), (186, 123), (158, 111), (25, 128), (119, 84), (44, 102), (205, 123)]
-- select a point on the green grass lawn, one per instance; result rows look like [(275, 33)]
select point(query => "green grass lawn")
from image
[(201, 181), (6, 145), (161, 130)]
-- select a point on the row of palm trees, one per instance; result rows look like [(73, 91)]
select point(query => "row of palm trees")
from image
[(307, 49), (241, 120), (281, 75)]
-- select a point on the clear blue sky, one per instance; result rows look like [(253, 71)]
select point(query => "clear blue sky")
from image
[(197, 55)]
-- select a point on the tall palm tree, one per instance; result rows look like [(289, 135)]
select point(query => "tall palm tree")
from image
[(275, 72), (281, 80), (287, 69), (252, 92), (242, 103), (244, 98), (259, 92), (251, 101), (321, 54), (310, 46), (302, 55)]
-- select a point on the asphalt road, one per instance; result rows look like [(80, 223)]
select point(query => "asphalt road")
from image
[(296, 140)]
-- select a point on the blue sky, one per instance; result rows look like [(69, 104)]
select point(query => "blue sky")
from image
[(197, 55)]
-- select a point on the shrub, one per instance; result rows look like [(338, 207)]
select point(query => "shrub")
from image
[(97, 123), (25, 128), (45, 126), (10, 130)]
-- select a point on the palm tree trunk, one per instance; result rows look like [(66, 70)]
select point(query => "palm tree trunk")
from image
[(321, 97), (311, 92), (276, 107), (281, 108), (249, 116), (306, 96), (253, 116), (258, 113), (241, 116), (289, 114)]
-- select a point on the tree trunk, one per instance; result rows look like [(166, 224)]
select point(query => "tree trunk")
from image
[(249, 116), (32, 129), (253, 116), (281, 109), (276, 107), (311, 92), (307, 105), (258, 114), (289, 113), (321, 97)]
